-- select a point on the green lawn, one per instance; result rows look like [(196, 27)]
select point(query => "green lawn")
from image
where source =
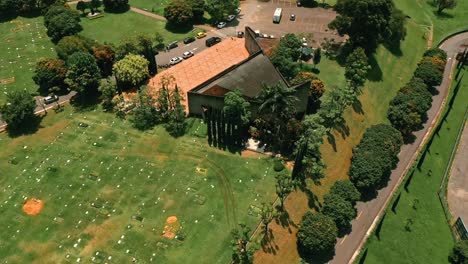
[(24, 41), (112, 28), (429, 240), (94, 180), (154, 6)]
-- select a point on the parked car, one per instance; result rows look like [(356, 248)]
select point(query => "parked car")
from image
[(298, 3), (221, 25), (175, 60), (240, 34), (187, 54), (189, 40), (50, 99), (292, 17), (172, 45), (212, 41), (238, 10), (230, 18), (201, 35)]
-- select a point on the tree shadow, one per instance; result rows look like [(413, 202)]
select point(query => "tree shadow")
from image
[(357, 107), (331, 139), (313, 201), (268, 243), (30, 126), (375, 73), (394, 48), (117, 10), (344, 230), (178, 29), (85, 103), (316, 257), (363, 257), (442, 15)]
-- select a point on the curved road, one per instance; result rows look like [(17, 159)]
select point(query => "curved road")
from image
[(348, 247)]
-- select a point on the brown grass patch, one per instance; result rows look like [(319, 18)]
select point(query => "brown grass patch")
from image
[(102, 233), (33, 206)]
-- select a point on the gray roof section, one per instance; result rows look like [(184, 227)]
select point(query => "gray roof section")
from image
[(248, 77)]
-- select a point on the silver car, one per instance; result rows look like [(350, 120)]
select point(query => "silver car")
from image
[(187, 54), (175, 60)]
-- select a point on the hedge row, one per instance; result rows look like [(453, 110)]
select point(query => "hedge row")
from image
[(408, 110)]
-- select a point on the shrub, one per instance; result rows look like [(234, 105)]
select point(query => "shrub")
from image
[(278, 165), (436, 52), (339, 209), (429, 73), (347, 190)]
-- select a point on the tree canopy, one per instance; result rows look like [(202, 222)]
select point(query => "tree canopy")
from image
[(71, 44), (317, 234), (18, 111), (339, 209), (220, 9), (236, 107), (60, 22), (50, 74), (346, 190), (83, 73), (131, 71), (179, 12), (116, 5), (357, 66)]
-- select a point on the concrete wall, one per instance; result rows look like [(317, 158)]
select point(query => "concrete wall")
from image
[(250, 43), (196, 102)]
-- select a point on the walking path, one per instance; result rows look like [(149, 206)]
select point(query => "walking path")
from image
[(457, 189), (369, 213)]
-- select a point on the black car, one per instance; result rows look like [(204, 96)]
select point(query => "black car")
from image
[(172, 45), (189, 40), (212, 41), (292, 17)]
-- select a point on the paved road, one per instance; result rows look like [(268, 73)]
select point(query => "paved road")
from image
[(347, 248), (457, 189)]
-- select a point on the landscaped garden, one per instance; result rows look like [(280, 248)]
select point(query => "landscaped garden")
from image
[(24, 41), (110, 193)]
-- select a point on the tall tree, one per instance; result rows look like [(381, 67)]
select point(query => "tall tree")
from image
[(198, 9), (242, 254), (61, 22), (267, 214), (146, 44), (179, 12), (50, 74), (116, 5), (357, 67), (176, 125), (339, 209), (105, 57), (219, 9), (81, 6), (284, 186), (131, 71), (366, 22), (317, 56), (94, 5), (445, 4), (317, 234), (83, 73), (71, 44), (144, 115), (347, 190), (18, 111), (108, 91)]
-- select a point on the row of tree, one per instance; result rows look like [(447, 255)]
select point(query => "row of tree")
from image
[(12, 8), (188, 12), (408, 109), (60, 21)]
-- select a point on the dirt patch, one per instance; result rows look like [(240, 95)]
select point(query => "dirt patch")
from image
[(251, 154), (33, 206), (171, 227), (101, 234)]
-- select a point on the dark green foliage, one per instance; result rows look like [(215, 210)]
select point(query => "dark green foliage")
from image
[(50, 75), (8, 8), (317, 56), (436, 52), (108, 90), (140, 45), (429, 73), (317, 234), (179, 12), (220, 9), (94, 5), (176, 125), (144, 115), (60, 22), (83, 73), (357, 66), (284, 186), (374, 157), (198, 9), (369, 22), (81, 6), (346, 190), (445, 4), (407, 111), (397, 28), (459, 255), (286, 54), (11, 8), (116, 5), (71, 44), (278, 165), (339, 209), (105, 57), (18, 110), (242, 254)]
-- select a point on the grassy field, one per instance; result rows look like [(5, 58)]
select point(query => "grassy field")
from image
[(112, 28), (389, 72), (154, 6), (24, 41), (429, 231), (108, 188)]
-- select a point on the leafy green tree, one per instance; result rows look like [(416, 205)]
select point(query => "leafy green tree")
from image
[(105, 57), (445, 4), (317, 56), (147, 49), (179, 12), (108, 91), (18, 111), (61, 22), (284, 186), (220, 9), (50, 73), (340, 210), (317, 234), (287, 67), (242, 254), (429, 73), (131, 71), (116, 5), (459, 254), (332, 107), (71, 44), (357, 67), (198, 9), (8, 8), (397, 28), (436, 52), (367, 22), (236, 107), (81, 6), (94, 5), (176, 125), (347, 190), (83, 73), (267, 214), (159, 38), (144, 116)]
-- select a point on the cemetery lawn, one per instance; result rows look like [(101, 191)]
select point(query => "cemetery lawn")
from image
[(154, 6), (429, 231), (24, 41), (108, 190), (113, 28)]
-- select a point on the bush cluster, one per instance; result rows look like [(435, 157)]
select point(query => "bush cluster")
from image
[(374, 157), (408, 110)]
